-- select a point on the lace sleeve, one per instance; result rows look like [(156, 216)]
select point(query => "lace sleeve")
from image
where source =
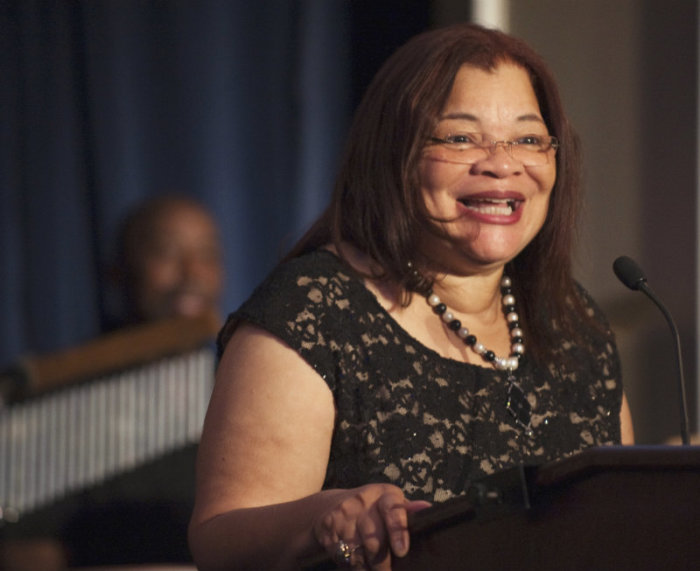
[(304, 305)]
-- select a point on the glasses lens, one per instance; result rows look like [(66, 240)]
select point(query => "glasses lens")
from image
[(528, 156), (470, 148)]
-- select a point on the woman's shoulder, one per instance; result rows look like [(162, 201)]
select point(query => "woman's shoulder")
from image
[(591, 306), (320, 270), (595, 336), (297, 289)]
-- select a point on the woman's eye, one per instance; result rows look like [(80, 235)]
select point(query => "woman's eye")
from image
[(461, 138), (534, 140)]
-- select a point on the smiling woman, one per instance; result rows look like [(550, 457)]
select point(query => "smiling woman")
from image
[(490, 204), (425, 332)]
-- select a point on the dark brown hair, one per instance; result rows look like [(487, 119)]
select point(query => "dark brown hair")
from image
[(377, 203)]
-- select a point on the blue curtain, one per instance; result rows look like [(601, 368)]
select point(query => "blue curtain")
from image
[(243, 105)]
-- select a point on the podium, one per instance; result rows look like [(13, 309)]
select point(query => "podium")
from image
[(613, 508)]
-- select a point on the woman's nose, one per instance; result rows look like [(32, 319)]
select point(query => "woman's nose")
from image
[(498, 162)]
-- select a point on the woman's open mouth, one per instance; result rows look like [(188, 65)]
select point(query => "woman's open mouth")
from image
[(492, 206)]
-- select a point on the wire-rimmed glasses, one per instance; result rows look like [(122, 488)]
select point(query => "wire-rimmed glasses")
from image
[(468, 148)]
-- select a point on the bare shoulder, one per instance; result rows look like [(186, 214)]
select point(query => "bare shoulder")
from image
[(268, 429)]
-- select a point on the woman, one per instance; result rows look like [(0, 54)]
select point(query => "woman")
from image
[(388, 361)]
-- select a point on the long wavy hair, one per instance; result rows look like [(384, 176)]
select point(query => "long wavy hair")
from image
[(377, 203)]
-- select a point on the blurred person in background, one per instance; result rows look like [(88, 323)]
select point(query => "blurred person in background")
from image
[(168, 261), (168, 264)]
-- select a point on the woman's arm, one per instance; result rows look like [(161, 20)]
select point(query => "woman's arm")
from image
[(261, 464), (266, 441)]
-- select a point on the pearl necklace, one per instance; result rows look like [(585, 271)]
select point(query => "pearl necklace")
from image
[(516, 402), (517, 347)]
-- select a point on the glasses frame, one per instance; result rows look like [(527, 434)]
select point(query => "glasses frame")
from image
[(489, 147)]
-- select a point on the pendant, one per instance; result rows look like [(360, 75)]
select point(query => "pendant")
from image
[(518, 406)]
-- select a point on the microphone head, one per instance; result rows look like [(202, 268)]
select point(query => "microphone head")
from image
[(629, 273)]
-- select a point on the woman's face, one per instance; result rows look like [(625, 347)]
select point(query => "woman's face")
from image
[(494, 205)]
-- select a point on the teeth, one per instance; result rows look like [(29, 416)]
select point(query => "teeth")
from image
[(500, 206), (498, 210)]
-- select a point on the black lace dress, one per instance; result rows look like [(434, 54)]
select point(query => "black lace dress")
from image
[(408, 416)]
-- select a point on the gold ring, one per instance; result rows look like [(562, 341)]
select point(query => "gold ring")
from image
[(343, 554)]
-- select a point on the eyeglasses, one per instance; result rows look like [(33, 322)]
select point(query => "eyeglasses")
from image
[(468, 148)]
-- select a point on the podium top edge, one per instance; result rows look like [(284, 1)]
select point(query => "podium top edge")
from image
[(619, 458)]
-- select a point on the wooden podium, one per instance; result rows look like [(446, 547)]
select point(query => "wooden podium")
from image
[(614, 508)]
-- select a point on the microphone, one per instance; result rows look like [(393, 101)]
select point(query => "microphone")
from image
[(630, 274)]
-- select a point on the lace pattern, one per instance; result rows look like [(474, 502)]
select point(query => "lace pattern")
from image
[(408, 416)]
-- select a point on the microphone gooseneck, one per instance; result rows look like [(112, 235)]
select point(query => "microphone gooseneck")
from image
[(630, 274)]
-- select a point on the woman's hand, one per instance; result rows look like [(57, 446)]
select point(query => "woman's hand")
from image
[(366, 526)]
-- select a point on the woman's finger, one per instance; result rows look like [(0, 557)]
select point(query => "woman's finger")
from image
[(373, 537), (395, 517)]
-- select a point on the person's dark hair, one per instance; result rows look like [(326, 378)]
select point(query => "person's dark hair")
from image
[(377, 203)]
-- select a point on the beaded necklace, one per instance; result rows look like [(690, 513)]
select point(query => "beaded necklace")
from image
[(516, 402)]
